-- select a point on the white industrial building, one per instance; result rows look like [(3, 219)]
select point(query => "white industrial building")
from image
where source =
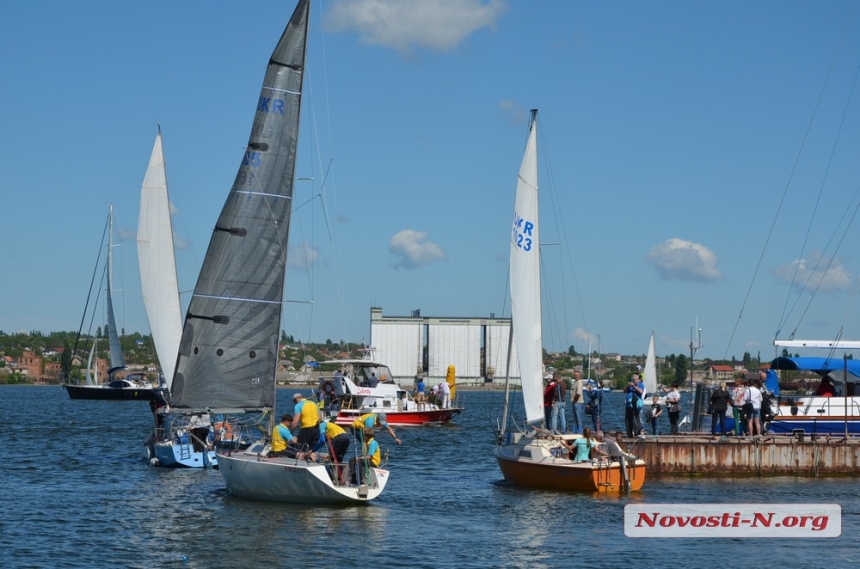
[(477, 347)]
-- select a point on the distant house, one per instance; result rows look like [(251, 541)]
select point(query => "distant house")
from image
[(719, 372), (30, 364)]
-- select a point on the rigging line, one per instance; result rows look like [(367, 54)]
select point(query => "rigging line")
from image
[(562, 229), (547, 293), (790, 178), (90, 293), (783, 316), (818, 261), (821, 280)]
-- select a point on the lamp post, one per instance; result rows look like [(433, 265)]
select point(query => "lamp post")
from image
[(695, 344)]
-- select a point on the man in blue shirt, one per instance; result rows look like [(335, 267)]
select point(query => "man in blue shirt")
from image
[(633, 405)]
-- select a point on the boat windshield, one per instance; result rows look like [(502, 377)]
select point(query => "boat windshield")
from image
[(364, 374)]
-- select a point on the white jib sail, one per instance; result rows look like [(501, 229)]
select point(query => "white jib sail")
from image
[(158, 281), (525, 281), (89, 380), (117, 361)]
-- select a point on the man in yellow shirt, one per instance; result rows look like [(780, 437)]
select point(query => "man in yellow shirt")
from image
[(307, 416), (372, 421), (282, 438)]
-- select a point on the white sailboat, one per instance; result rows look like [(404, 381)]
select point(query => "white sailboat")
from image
[(229, 348), (531, 457), (173, 444), (649, 377), (131, 387)]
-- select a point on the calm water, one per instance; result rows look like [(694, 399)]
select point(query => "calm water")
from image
[(77, 492)]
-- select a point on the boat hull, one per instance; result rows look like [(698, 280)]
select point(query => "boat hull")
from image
[(532, 465), (181, 455), (831, 425), (255, 477), (345, 417), (821, 415), (105, 393)]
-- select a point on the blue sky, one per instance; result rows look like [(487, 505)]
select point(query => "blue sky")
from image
[(674, 136)]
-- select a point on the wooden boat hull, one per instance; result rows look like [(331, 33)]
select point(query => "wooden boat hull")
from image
[(254, 477), (105, 393), (345, 417), (532, 464)]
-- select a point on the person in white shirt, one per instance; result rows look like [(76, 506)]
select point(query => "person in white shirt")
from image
[(753, 395), (444, 395)]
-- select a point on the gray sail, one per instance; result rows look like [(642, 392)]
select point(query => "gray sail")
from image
[(229, 348), (117, 361)]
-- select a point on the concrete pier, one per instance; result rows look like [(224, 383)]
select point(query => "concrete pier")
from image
[(768, 455)]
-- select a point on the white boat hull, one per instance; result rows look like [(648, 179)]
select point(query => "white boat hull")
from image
[(277, 479)]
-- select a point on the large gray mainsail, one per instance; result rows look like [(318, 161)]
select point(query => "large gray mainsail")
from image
[(229, 348)]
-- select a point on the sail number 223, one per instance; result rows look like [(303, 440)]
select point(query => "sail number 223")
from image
[(523, 233)]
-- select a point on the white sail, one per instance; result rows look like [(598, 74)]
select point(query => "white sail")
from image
[(89, 380), (157, 262), (117, 361), (525, 281), (650, 374)]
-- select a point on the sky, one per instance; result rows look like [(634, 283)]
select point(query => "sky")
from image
[(699, 161)]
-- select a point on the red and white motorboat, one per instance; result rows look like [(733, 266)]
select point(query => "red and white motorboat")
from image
[(361, 386)]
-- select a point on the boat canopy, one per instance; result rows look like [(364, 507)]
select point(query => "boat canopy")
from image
[(834, 368)]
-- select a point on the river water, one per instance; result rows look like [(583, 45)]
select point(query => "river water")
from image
[(77, 492)]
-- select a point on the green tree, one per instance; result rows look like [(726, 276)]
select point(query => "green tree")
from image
[(681, 369), (571, 351), (66, 360)]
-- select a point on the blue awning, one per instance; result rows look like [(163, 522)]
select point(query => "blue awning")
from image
[(822, 366)]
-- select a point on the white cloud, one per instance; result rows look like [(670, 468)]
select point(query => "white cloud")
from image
[(413, 249), (813, 270), (581, 334), (302, 256), (439, 25), (684, 260), (181, 244), (513, 113)]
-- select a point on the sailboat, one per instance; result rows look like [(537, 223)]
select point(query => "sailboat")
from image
[(172, 443), (834, 408), (649, 376), (229, 348), (531, 457), (130, 387)]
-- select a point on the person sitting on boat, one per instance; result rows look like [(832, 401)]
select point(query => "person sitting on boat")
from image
[(333, 438), (826, 388), (283, 441), (372, 421), (307, 416), (580, 448), (374, 381), (371, 457)]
